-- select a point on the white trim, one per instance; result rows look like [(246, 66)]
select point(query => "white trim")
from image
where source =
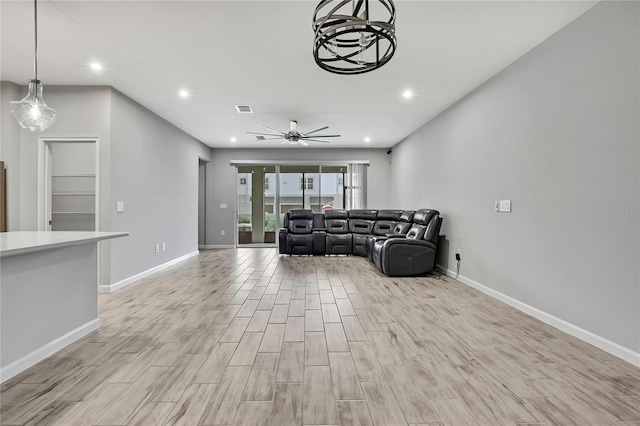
[(600, 342), (217, 246), (128, 281), (47, 350)]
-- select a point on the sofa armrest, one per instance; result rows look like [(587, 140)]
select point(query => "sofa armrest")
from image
[(282, 240), (409, 242), (319, 241), (404, 236)]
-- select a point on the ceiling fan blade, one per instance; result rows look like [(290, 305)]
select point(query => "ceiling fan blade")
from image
[(314, 140), (314, 130), (303, 143), (322, 136), (263, 134), (272, 139), (274, 130), (286, 141)]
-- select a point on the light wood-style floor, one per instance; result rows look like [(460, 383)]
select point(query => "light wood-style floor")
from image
[(248, 337)]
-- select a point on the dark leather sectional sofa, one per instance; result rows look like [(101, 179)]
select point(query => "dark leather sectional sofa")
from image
[(397, 242)]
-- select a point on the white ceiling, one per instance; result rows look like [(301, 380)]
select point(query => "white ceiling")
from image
[(259, 53)]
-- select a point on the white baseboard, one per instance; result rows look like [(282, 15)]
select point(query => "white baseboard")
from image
[(134, 278), (47, 350), (217, 246), (600, 342)]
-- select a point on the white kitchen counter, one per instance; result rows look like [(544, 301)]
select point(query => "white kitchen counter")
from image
[(12, 243), (48, 294)]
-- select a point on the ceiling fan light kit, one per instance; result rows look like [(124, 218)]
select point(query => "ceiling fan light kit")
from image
[(31, 112), (352, 37), (293, 136)]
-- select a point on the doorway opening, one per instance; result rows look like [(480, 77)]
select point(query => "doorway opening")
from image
[(68, 188)]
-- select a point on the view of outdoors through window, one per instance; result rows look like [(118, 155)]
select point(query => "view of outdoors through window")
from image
[(310, 187)]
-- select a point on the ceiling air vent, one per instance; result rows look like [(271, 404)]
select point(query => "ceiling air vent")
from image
[(260, 138), (244, 109)]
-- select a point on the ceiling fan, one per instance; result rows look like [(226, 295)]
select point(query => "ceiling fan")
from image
[(293, 136)]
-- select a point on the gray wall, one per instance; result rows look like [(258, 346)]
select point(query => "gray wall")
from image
[(221, 180), (557, 133), (154, 170), (145, 161)]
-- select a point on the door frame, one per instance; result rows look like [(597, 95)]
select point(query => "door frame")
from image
[(44, 187)]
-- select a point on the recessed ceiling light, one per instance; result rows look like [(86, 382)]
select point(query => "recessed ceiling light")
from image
[(183, 94), (367, 139), (233, 139), (407, 94), (96, 66)]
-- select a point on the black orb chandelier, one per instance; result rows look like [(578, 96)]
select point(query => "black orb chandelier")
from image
[(354, 36)]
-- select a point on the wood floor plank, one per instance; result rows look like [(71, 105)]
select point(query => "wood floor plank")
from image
[(235, 330), (345, 308), (258, 323), (267, 302), (94, 405), (346, 384), (261, 383), (279, 314), (297, 308), (410, 396), (353, 330), (312, 301), (291, 368), (353, 413), (319, 404), (367, 365), (253, 413), (216, 363), (222, 406), (294, 331), (247, 349), (248, 308), (382, 404), (336, 339), (330, 313), (127, 405), (315, 349), (453, 412), (287, 405), (192, 404), (272, 340), (313, 321)]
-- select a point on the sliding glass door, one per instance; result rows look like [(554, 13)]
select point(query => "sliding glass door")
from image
[(256, 201), (266, 192)]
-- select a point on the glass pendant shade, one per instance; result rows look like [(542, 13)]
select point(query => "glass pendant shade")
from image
[(31, 112)]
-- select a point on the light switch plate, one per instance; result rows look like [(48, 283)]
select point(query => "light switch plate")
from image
[(119, 206), (505, 206), (223, 206)]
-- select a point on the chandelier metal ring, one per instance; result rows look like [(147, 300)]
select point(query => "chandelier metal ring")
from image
[(353, 43)]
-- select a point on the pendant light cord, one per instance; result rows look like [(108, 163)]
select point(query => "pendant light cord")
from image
[(35, 28)]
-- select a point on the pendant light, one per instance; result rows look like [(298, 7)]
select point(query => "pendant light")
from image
[(31, 112)]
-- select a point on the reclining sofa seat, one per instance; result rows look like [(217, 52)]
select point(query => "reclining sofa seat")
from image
[(401, 220), (297, 235), (361, 223), (338, 238), (414, 253)]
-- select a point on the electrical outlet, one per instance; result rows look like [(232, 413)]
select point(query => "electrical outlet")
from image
[(223, 232), (164, 246), (157, 248)]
